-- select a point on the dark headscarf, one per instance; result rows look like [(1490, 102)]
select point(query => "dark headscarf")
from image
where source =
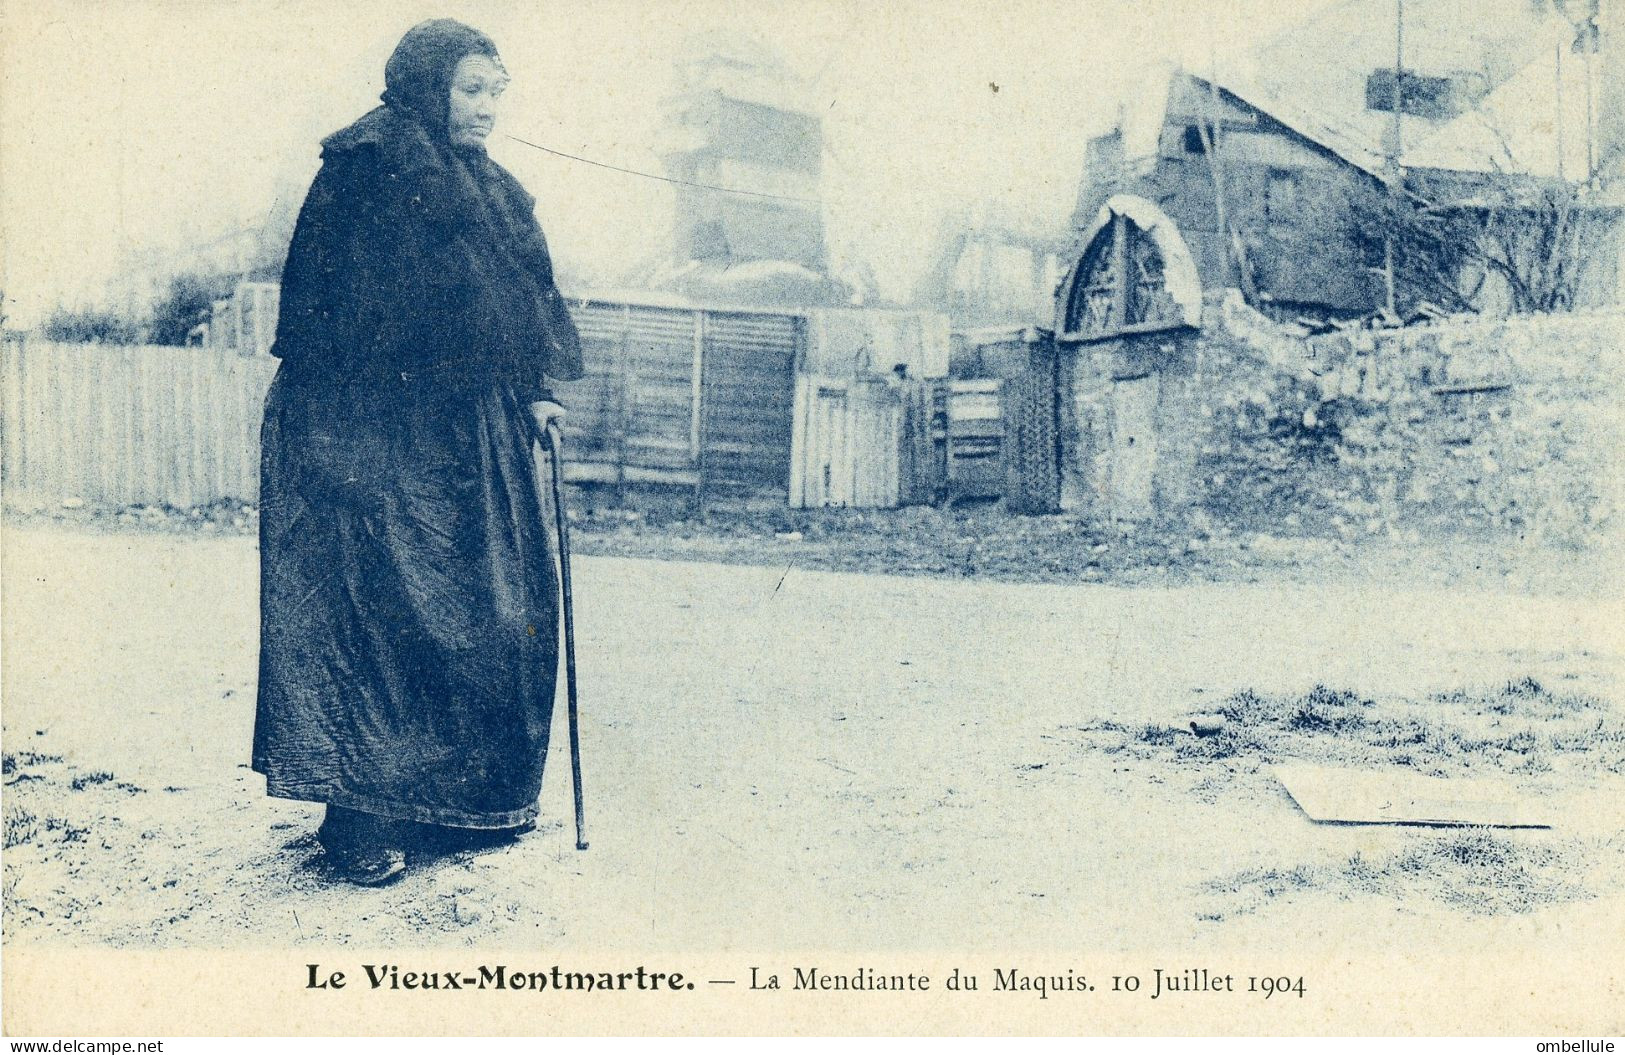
[(417, 77), (471, 206)]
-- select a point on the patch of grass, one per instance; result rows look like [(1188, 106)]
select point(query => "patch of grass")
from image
[(1520, 727), (1486, 874), (1523, 696), (966, 540), (1269, 882), (1230, 742), (12, 761), (85, 780), (1525, 686), (1475, 870), (1250, 708), (21, 827), (1162, 735), (70, 833), (1605, 741), (1326, 710)]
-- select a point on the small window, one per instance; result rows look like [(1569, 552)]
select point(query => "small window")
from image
[(1193, 140), (1281, 204), (1438, 98)]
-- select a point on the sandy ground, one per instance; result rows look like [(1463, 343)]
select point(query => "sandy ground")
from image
[(774, 758)]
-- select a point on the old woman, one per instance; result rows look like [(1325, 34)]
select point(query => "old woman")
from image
[(408, 607)]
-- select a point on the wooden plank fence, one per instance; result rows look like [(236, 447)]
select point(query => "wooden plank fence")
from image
[(699, 398), (974, 461), (848, 442), (705, 398), (124, 425)]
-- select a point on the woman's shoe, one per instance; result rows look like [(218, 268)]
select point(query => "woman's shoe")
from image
[(449, 839), (363, 849), (372, 867)]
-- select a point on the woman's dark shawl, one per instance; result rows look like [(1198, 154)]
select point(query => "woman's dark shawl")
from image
[(413, 261)]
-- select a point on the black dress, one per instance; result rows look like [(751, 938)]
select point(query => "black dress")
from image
[(409, 622)]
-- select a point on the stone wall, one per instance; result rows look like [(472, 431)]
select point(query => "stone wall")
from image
[(1504, 428)]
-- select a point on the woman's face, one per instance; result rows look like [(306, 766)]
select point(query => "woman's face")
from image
[(476, 86)]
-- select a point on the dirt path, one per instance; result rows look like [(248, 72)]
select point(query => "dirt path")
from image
[(868, 761)]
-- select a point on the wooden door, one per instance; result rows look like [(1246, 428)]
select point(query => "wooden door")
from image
[(1134, 448)]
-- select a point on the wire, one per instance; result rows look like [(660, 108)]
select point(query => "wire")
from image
[(666, 179)]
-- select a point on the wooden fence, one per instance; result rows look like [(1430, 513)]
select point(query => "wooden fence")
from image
[(130, 425), (702, 398), (878, 442), (973, 459), (694, 397), (245, 322), (848, 443), (1009, 448), (678, 397)]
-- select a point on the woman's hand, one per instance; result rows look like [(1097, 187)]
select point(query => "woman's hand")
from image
[(546, 412)]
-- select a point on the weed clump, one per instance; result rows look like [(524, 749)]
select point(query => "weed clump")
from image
[(1161, 735), (71, 833), (1475, 870), (1520, 727), (21, 827)]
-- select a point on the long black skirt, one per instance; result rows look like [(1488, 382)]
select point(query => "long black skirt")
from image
[(408, 605)]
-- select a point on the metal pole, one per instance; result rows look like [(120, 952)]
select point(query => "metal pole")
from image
[(1396, 147), (1557, 77)]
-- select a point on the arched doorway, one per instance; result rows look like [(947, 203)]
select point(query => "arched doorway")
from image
[(1125, 318), (1135, 275)]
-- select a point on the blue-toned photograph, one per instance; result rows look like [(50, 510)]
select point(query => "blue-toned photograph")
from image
[(815, 517)]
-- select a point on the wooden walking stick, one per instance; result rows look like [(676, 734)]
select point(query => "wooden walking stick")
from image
[(555, 449)]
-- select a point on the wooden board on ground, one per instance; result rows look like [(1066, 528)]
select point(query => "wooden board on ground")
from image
[(1358, 796)]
